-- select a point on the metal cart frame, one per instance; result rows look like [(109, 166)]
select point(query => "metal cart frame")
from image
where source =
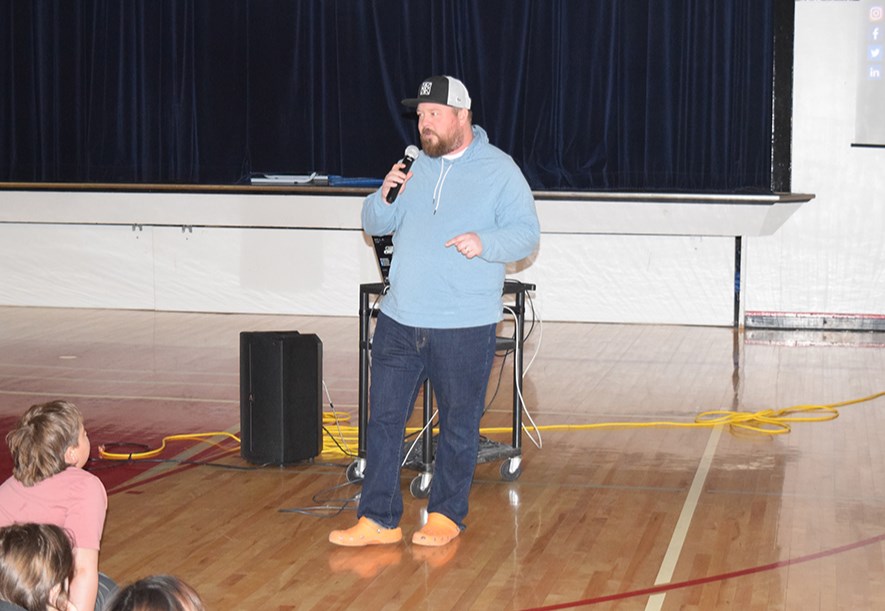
[(422, 460)]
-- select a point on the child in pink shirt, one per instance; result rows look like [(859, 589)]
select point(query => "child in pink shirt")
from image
[(49, 447)]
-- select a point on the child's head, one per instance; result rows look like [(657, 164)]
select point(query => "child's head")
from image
[(157, 593), (47, 440), (36, 565)]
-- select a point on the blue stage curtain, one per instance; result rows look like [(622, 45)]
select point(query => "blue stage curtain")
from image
[(644, 95)]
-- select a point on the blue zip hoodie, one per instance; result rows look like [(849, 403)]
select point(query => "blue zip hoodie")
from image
[(483, 191)]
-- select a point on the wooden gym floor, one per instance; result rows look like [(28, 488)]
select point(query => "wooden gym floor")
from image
[(658, 517)]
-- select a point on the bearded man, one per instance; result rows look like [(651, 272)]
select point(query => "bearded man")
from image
[(463, 211)]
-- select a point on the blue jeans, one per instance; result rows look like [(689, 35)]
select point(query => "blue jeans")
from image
[(458, 363), (107, 588)]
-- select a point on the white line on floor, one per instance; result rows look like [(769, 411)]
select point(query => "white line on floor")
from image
[(668, 565)]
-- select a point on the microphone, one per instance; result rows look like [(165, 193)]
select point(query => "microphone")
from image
[(408, 159)]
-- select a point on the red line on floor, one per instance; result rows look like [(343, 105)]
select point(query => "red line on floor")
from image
[(126, 483), (721, 577)]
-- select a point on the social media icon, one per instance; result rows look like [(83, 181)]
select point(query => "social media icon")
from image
[(874, 53), (876, 13), (875, 33), (874, 73)]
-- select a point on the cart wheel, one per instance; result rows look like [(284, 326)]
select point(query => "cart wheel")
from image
[(354, 471), (511, 469), (420, 486)]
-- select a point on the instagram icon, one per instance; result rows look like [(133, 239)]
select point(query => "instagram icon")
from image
[(869, 126)]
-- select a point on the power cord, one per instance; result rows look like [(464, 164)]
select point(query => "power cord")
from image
[(766, 421), (105, 454), (323, 507)]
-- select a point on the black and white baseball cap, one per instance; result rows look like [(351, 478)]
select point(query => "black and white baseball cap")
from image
[(441, 90)]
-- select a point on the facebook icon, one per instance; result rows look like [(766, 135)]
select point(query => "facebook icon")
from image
[(875, 33)]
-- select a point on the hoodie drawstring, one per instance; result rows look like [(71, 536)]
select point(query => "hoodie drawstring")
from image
[(437, 191)]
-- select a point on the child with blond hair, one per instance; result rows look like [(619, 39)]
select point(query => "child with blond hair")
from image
[(50, 447)]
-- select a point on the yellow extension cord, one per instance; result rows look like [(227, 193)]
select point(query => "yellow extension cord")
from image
[(102, 453), (767, 422)]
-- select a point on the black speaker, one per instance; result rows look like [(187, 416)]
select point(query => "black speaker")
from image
[(281, 399)]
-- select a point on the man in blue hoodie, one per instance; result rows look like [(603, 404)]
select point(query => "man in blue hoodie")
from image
[(464, 210)]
